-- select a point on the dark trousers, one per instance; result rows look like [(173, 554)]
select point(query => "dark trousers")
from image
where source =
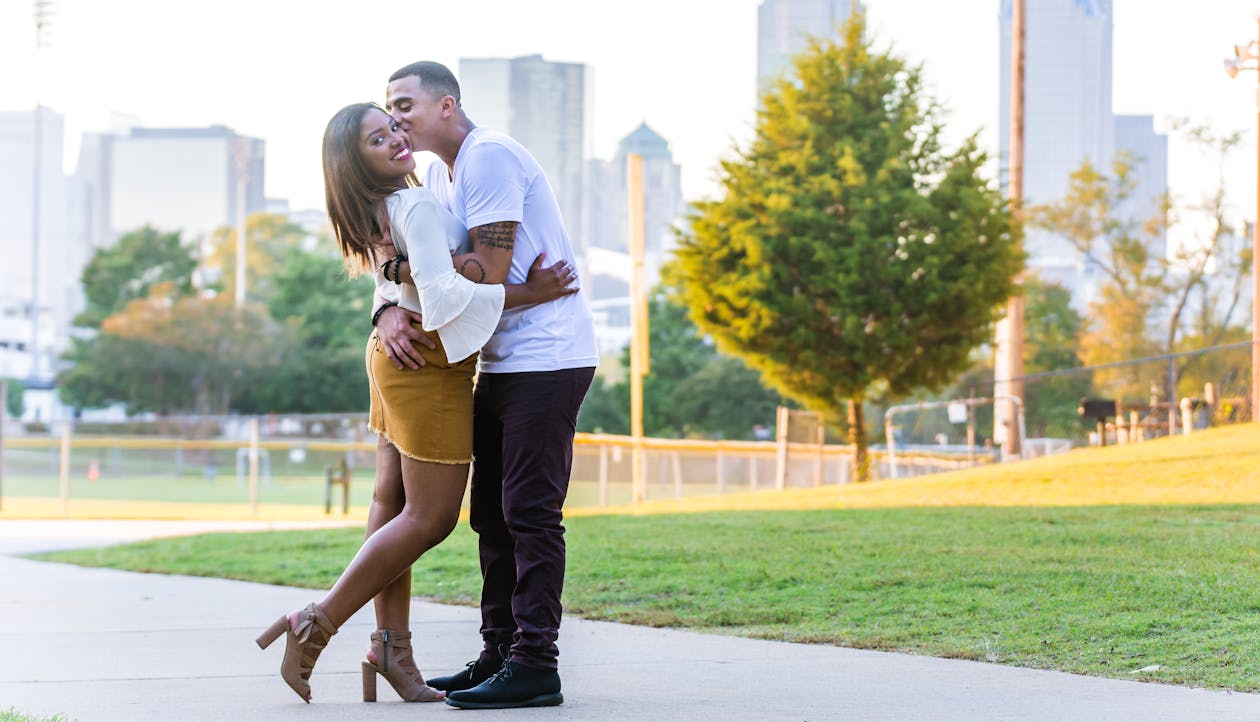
[(523, 426)]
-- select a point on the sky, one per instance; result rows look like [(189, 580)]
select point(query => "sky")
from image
[(278, 69)]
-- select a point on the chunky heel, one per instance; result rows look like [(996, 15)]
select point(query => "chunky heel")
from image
[(394, 662), (369, 682), (279, 627), (302, 645)]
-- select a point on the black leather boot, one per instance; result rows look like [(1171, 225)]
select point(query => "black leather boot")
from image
[(514, 685)]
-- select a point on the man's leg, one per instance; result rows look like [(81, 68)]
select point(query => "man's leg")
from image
[(539, 419), (538, 413), (494, 541)]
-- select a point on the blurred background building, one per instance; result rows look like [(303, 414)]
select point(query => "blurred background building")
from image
[(1068, 120)]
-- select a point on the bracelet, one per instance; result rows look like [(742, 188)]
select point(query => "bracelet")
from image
[(398, 261), (376, 315)]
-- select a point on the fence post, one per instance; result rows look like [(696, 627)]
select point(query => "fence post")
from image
[(781, 438), (4, 412), (1187, 416), (678, 486), (1136, 430), (65, 468), (603, 474), (253, 466), (822, 443), (721, 469), (752, 472)]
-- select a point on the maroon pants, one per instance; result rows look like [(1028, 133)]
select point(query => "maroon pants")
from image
[(523, 426)]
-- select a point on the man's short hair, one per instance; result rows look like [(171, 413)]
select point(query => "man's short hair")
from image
[(435, 78)]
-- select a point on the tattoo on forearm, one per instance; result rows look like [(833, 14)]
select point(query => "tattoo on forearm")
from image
[(497, 235), (477, 274)]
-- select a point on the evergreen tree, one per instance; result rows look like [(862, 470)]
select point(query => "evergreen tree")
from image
[(850, 251)]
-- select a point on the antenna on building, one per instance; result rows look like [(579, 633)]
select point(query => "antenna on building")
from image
[(44, 12)]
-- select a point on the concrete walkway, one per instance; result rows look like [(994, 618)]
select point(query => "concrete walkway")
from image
[(106, 645)]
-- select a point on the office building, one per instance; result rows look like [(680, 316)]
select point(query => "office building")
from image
[(785, 26), (607, 264), (546, 107)]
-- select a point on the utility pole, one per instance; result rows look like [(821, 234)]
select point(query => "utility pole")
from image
[(241, 158), (1009, 364), (639, 355), (43, 28)]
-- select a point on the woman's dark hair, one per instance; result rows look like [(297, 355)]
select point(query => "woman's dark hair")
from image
[(355, 199)]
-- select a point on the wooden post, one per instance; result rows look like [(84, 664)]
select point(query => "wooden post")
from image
[(603, 474), (253, 466), (65, 468), (721, 469), (1010, 334), (822, 448), (781, 456), (638, 320), (4, 412), (678, 484)]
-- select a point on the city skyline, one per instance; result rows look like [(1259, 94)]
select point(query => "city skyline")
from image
[(697, 91)]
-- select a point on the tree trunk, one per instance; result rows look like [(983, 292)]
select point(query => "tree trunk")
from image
[(857, 437)]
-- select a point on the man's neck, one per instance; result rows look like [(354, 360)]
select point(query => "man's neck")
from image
[(451, 145)]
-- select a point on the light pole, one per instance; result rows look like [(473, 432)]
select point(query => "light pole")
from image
[(1247, 57), (1008, 366), (43, 29)]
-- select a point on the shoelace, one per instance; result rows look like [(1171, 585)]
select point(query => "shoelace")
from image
[(503, 675)]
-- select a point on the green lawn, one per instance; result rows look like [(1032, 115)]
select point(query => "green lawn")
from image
[(1102, 590), (12, 715)]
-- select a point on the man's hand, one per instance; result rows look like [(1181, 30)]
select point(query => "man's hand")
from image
[(399, 336)]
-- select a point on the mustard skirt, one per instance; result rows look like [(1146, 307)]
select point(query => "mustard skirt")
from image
[(427, 412)]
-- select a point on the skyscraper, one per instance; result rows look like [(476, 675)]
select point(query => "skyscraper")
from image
[(178, 179), (1068, 120), (607, 263), (785, 26), (545, 106), (43, 243)]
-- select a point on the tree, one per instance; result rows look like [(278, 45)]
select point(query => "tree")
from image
[(1052, 331), (170, 354), (1093, 217), (1145, 305), (127, 270), (851, 252), (327, 316), (13, 402), (692, 389)]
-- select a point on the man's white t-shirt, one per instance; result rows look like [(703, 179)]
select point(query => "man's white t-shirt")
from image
[(495, 180)]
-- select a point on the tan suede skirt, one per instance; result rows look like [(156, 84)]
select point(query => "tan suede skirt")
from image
[(427, 412)]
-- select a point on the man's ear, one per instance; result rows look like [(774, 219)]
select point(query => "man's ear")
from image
[(449, 105)]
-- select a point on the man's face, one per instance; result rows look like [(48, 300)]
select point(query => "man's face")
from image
[(417, 112)]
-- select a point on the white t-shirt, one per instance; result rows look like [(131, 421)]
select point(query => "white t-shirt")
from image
[(463, 313), (497, 180)]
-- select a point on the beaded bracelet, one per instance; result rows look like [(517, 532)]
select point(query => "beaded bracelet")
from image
[(376, 315)]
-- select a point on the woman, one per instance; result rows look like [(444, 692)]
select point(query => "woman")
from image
[(423, 417)]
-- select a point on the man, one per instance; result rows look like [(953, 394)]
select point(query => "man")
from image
[(533, 375)]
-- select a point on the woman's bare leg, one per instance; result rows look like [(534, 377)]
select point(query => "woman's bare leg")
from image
[(393, 604), (433, 495)]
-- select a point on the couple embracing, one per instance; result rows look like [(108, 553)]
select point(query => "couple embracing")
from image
[(458, 255)]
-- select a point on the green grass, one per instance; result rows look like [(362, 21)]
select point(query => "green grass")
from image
[(12, 715), (1101, 590)]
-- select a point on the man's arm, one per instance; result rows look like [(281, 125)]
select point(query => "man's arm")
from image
[(491, 258)]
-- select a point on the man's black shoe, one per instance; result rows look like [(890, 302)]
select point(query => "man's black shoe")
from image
[(514, 685), (473, 674)]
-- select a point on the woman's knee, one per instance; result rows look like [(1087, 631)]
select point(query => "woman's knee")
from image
[(428, 526)]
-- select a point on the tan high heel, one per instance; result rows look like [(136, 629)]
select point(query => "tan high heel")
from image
[(392, 648), (302, 645)]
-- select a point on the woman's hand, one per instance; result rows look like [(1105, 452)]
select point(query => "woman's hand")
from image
[(550, 282)]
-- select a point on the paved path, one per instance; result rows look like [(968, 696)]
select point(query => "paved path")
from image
[(106, 645)]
